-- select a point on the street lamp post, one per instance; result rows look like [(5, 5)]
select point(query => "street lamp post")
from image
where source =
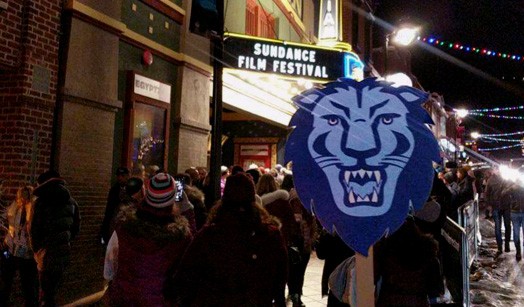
[(403, 36)]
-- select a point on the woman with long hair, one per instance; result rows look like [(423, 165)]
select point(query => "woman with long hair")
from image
[(17, 254), (238, 258)]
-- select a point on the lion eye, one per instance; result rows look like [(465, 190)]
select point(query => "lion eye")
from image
[(333, 120), (387, 119)]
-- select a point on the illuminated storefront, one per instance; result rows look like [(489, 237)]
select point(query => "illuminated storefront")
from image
[(260, 78)]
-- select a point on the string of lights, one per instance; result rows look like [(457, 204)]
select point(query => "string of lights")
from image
[(497, 116), (500, 139), (471, 49), (499, 148), (497, 109), (502, 134)]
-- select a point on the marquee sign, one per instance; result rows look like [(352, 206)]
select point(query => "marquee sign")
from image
[(289, 59)]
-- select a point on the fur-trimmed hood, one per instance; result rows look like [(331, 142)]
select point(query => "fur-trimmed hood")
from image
[(273, 196), (159, 234)]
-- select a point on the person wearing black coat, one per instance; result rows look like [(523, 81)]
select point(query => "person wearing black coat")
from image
[(333, 251), (116, 196), (55, 223)]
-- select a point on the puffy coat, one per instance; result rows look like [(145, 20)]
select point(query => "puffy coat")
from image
[(277, 204), (232, 262), (55, 222), (148, 253)]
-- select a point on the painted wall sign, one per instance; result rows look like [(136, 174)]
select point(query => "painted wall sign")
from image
[(152, 88), (328, 28), (277, 57), (362, 156)]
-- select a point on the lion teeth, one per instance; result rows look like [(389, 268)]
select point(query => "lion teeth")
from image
[(377, 176), (347, 175), (369, 173), (374, 198), (354, 173), (361, 172), (359, 199), (351, 197)]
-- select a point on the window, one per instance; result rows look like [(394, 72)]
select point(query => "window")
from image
[(146, 132), (258, 21), (148, 136)]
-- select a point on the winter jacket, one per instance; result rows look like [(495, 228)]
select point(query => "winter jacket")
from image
[(333, 250), (515, 194), (277, 204), (304, 221), (196, 197), (465, 190), (409, 267), (232, 262), (144, 255), (55, 222), (493, 194), (115, 198)]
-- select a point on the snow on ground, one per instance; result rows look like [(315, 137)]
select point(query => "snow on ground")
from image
[(496, 282)]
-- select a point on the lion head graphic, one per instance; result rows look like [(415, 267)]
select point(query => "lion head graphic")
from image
[(362, 156)]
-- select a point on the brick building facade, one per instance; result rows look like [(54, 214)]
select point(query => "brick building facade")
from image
[(71, 99)]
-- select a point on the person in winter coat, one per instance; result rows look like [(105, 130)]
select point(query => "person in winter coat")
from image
[(333, 251), (17, 254), (516, 191), (500, 206), (276, 202), (238, 258), (115, 198), (465, 186), (55, 223), (146, 248), (196, 198), (306, 225), (408, 264)]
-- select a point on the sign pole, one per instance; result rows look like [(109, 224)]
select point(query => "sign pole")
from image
[(365, 279)]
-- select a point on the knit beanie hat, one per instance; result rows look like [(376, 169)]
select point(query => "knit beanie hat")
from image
[(161, 190), (239, 189)]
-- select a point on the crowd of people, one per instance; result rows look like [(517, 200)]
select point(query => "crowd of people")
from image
[(240, 251), (166, 249)]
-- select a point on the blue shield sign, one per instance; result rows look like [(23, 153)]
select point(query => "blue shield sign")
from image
[(362, 156)]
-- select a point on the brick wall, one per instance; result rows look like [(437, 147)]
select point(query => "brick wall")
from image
[(28, 77)]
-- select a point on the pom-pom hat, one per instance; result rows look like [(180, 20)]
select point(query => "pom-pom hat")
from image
[(161, 191)]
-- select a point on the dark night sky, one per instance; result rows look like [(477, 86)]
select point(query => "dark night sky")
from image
[(493, 24)]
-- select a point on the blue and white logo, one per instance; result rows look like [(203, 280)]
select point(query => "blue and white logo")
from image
[(362, 156)]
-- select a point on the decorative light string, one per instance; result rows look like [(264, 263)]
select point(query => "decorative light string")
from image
[(500, 148), (496, 109), (471, 49), (497, 116), (499, 139), (502, 134)]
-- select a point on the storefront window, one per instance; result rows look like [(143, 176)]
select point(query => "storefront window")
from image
[(148, 138)]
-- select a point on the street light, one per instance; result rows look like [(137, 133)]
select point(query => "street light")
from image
[(475, 135), (404, 36)]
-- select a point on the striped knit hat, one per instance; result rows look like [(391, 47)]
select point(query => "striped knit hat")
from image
[(161, 190)]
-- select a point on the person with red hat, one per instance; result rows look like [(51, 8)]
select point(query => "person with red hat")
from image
[(238, 258), (146, 247)]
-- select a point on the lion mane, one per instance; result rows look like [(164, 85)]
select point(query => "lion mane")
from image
[(413, 184)]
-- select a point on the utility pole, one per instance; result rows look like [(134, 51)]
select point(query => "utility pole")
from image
[(217, 41)]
